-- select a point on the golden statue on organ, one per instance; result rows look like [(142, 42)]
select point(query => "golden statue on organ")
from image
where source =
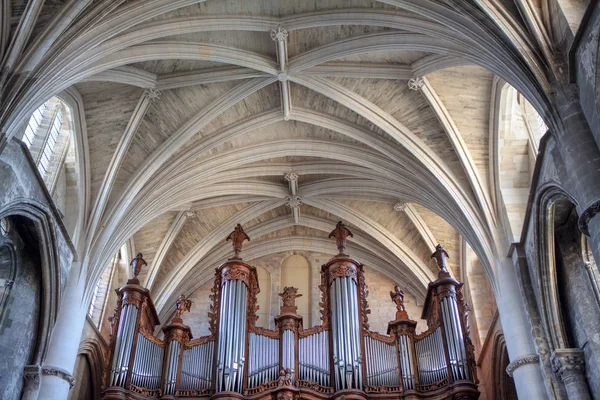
[(341, 358)]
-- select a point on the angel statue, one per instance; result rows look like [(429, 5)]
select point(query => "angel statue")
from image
[(441, 256), (285, 377), (183, 305), (397, 296), (237, 237), (136, 265)]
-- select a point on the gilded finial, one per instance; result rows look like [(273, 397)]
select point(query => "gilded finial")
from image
[(237, 238), (340, 233), (441, 256)]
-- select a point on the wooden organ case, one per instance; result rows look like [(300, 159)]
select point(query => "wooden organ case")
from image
[(341, 358)]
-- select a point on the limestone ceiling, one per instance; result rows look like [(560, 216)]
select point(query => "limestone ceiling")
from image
[(194, 112)]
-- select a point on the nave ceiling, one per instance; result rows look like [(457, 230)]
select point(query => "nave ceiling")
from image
[(195, 113)]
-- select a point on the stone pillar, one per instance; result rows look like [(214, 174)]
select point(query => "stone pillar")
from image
[(569, 366), (581, 156), (524, 366), (57, 369)]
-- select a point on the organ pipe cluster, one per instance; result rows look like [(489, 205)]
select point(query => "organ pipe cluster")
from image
[(240, 360)]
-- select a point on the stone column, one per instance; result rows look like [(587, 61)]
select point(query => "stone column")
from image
[(524, 366), (569, 366), (57, 369), (581, 157)]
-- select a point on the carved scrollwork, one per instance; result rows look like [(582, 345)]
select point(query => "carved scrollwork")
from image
[(364, 304), (60, 373), (383, 389), (343, 269), (314, 386), (198, 341), (274, 334), (145, 391), (519, 362), (302, 333), (215, 298), (382, 338)]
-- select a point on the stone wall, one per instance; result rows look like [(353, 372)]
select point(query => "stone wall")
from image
[(27, 323)]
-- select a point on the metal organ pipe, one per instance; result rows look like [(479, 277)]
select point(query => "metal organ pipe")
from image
[(345, 328)]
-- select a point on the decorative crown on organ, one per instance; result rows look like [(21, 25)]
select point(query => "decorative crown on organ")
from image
[(339, 358)]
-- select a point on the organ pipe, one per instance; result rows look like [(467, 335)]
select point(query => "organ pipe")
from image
[(240, 360)]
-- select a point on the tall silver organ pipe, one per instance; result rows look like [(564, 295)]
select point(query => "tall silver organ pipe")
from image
[(405, 353), (263, 364), (196, 367), (382, 363), (123, 344), (455, 338), (313, 358), (288, 346), (345, 328), (431, 360), (171, 366), (147, 364), (232, 328)]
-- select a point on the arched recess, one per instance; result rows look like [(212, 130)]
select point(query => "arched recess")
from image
[(88, 371), (34, 219), (504, 385), (21, 307), (295, 271), (516, 129), (264, 297), (568, 300)]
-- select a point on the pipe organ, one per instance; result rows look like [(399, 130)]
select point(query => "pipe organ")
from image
[(340, 357)]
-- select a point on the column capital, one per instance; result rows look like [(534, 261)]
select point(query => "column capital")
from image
[(586, 217), (60, 373), (568, 361), (519, 362), (31, 376), (416, 83)]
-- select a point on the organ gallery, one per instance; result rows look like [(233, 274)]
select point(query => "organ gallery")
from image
[(340, 358)]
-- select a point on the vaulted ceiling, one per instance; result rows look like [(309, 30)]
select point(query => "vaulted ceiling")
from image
[(285, 116)]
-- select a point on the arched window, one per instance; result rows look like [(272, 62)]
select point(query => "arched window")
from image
[(295, 272), (264, 298), (97, 307), (48, 138)]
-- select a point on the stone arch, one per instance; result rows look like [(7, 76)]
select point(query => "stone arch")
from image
[(516, 130), (504, 385), (568, 301), (88, 371), (296, 272), (8, 269), (22, 304), (39, 222)]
